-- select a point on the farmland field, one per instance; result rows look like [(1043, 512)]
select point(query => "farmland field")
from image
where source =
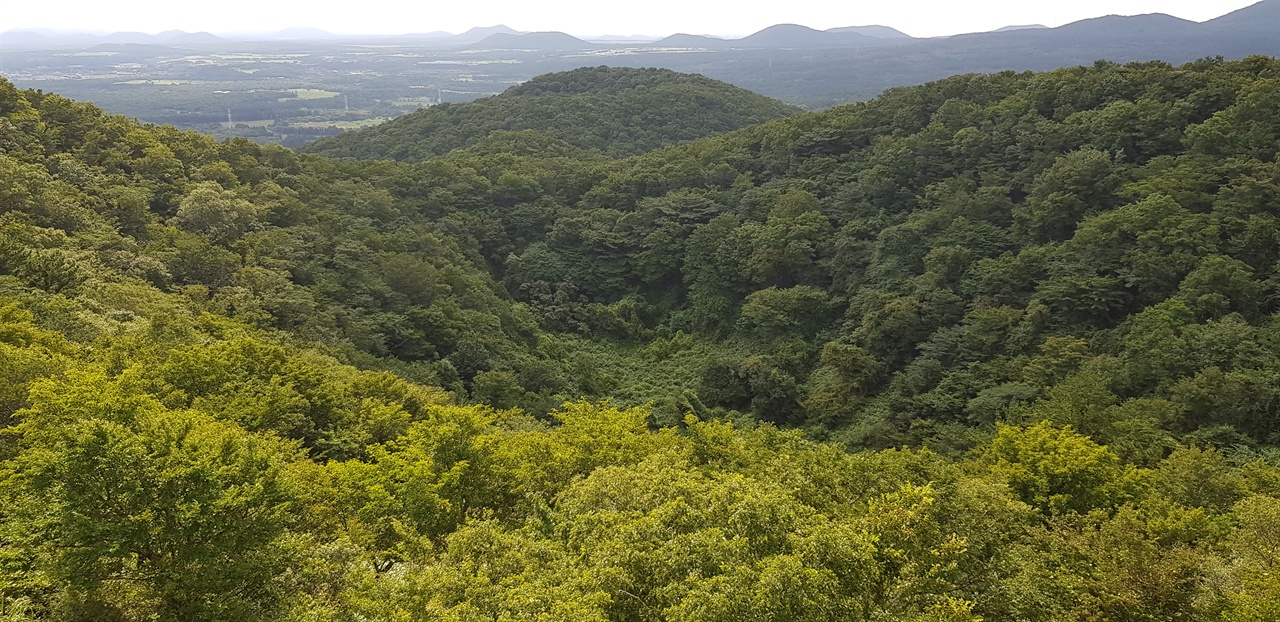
[(309, 94)]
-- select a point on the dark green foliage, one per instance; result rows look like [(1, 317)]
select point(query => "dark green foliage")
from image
[(960, 234), (616, 111)]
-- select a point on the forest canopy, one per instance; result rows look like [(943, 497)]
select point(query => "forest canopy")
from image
[(999, 347), (614, 110)]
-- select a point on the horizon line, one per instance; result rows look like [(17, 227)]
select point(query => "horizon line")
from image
[(247, 35)]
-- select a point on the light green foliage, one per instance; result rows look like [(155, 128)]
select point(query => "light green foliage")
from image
[(1199, 478), (489, 572), (214, 213), (127, 502), (1257, 543), (1058, 470)]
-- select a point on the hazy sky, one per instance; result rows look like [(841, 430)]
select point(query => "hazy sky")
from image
[(919, 18)]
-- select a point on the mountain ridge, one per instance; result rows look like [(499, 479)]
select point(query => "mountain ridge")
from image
[(1262, 15), (552, 41), (797, 36), (480, 33), (874, 30)]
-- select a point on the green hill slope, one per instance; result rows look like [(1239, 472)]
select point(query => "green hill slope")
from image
[(615, 111), (951, 239), (1001, 347)]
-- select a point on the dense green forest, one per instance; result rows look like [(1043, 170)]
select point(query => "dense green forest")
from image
[(614, 110), (1000, 347)]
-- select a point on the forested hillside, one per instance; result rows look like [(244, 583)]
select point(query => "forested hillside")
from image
[(616, 111), (1000, 347)]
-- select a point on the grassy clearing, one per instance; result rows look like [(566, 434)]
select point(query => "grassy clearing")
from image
[(308, 94), (663, 374), (255, 123), (414, 102), (355, 125)]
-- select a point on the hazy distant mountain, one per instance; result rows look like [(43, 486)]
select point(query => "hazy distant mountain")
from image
[(476, 35), (1021, 27), (139, 38), (781, 36), (131, 51), (796, 36), (623, 38), (15, 38), (822, 77), (881, 32), (437, 34), (170, 37), (1113, 26), (33, 39), (303, 34), (175, 37), (541, 41), (683, 40), (1258, 22), (1252, 30)]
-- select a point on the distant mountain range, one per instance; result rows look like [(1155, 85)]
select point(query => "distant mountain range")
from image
[(476, 35), (29, 38), (1251, 30), (819, 68), (823, 77), (781, 36), (1257, 24), (1021, 27), (47, 38), (796, 36), (883, 32)]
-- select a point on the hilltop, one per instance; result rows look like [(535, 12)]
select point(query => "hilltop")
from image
[(874, 30), (536, 41), (616, 111), (791, 37), (786, 36)]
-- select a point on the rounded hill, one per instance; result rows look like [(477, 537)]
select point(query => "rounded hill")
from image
[(615, 111)]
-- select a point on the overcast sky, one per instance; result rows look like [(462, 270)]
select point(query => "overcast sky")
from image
[(921, 18)]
